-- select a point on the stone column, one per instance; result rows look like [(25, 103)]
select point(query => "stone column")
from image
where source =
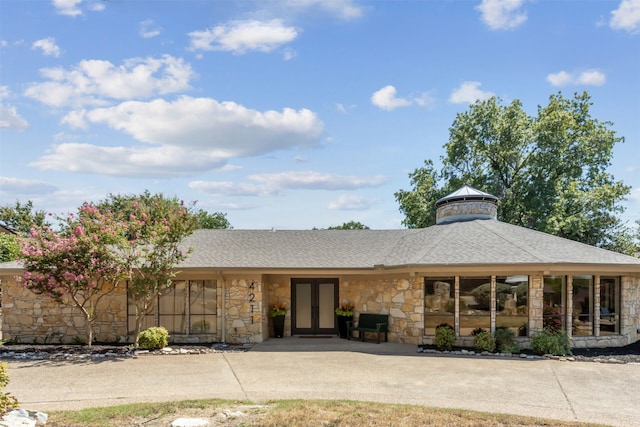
[(569, 307), (494, 305), (536, 304)]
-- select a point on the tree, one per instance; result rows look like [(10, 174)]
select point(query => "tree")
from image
[(9, 248), (216, 220), (549, 171), (155, 226), (350, 225), (78, 265), (20, 218)]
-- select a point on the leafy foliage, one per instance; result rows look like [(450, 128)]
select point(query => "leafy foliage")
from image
[(7, 401), (549, 171), (154, 228), (9, 247), (506, 340), (20, 218), (77, 265), (550, 342), (153, 338), (350, 225), (484, 341), (216, 220), (445, 337)]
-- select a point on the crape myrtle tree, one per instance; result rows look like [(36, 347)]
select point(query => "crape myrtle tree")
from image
[(549, 170), (155, 226), (77, 265)]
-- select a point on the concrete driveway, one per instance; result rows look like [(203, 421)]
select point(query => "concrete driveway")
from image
[(338, 369)]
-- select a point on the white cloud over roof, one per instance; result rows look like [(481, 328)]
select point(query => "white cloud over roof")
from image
[(48, 46), (352, 202), (242, 36), (468, 93), (588, 78)]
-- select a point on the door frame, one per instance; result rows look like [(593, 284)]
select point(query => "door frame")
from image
[(315, 329)]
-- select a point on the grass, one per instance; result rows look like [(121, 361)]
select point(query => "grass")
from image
[(290, 413)]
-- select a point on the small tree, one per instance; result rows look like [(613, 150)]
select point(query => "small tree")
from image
[(155, 227), (350, 225), (78, 265), (9, 248), (21, 217)]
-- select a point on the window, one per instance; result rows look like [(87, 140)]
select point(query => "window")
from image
[(609, 305), (475, 304), (439, 303), (202, 301), (582, 319), (554, 294), (186, 305), (512, 299)]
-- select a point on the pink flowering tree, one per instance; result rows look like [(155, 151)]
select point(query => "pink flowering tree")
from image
[(77, 265), (155, 228)]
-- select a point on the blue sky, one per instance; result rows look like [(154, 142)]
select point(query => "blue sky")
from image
[(287, 114)]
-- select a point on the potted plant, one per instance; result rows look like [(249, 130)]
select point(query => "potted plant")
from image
[(345, 314), (278, 312)]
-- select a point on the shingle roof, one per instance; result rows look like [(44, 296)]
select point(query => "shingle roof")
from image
[(478, 242)]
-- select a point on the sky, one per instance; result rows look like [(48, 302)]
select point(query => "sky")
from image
[(287, 114)]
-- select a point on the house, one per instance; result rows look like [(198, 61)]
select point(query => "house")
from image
[(469, 270)]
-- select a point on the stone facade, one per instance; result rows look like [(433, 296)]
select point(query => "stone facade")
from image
[(462, 210), (243, 303)]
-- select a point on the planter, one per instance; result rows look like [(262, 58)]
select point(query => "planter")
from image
[(342, 325), (278, 326)]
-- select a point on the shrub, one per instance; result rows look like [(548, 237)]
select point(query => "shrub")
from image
[(7, 401), (484, 341), (153, 338), (445, 337), (476, 331), (551, 342), (506, 341)]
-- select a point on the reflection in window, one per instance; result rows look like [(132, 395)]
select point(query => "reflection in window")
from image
[(439, 303), (512, 296), (553, 302), (609, 305), (202, 300), (582, 319), (195, 297), (475, 304)]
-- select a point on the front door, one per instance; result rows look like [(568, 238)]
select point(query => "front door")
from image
[(313, 306)]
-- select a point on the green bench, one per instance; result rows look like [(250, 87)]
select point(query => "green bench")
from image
[(369, 322)]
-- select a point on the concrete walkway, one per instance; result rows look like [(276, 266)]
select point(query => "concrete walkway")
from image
[(319, 368)]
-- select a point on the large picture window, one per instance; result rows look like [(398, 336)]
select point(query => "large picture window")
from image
[(582, 319), (609, 305), (554, 296), (512, 299), (475, 304), (439, 303), (188, 307)]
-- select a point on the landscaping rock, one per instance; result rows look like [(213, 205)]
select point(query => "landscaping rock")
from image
[(23, 418)]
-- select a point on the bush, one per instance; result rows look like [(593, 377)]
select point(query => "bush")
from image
[(7, 401), (551, 342), (506, 341), (153, 338), (476, 331), (484, 341), (445, 337)]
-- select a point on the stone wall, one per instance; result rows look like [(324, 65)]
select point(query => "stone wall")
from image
[(401, 298), (630, 309), (244, 310), (279, 291), (31, 318)]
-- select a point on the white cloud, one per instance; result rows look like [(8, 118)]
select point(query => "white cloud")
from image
[(351, 202), (149, 29), (626, 16), (242, 36), (226, 188), (502, 14), (344, 9), (184, 136), (93, 82), (386, 99), (635, 194), (588, 78), (468, 93), (9, 117), (68, 7), (48, 46), (11, 186), (312, 180)]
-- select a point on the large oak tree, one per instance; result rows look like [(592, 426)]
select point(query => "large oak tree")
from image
[(550, 171)]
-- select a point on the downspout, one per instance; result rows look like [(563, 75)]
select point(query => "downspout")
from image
[(223, 308)]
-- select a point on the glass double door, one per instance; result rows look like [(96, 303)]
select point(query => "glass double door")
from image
[(314, 304)]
